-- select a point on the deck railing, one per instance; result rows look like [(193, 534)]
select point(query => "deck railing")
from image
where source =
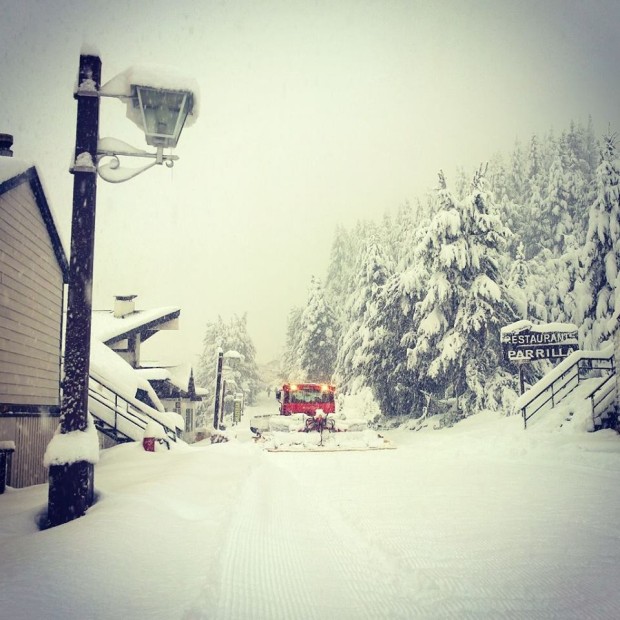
[(568, 375), (117, 417), (601, 400)]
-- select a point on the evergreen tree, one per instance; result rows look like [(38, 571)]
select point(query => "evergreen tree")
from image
[(456, 326), (229, 336), (291, 363), (394, 384), (596, 295), (340, 270), (358, 338), (518, 283), (555, 219), (433, 314), (318, 336)]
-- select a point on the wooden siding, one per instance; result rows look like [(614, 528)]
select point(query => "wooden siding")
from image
[(31, 435), (31, 302)]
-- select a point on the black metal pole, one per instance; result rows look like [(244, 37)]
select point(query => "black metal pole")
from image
[(71, 486), (223, 401), (218, 386)]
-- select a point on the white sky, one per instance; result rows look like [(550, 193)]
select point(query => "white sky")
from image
[(313, 114)]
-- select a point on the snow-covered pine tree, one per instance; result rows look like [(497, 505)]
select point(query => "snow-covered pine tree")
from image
[(206, 370), (290, 367), (340, 269), (433, 315), (555, 218), (518, 280), (454, 341), (410, 221), (533, 234), (393, 383), (229, 336), (246, 367), (357, 341), (318, 341), (597, 293)]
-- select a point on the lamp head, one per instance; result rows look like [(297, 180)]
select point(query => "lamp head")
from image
[(163, 113)]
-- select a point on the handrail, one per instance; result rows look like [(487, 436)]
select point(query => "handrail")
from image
[(567, 381), (606, 387), (125, 410)]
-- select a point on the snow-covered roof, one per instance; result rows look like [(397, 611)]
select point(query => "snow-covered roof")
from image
[(179, 375), (155, 374), (106, 327)]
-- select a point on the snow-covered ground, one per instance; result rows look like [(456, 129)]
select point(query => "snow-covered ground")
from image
[(482, 520)]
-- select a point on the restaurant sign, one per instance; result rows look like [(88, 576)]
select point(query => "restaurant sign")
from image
[(525, 342)]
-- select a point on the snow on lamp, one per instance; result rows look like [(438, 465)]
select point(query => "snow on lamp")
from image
[(160, 102)]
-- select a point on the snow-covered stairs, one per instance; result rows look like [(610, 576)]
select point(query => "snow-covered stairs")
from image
[(587, 375), (117, 418)]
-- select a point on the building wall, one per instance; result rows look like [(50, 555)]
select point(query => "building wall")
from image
[(31, 302), (186, 408), (31, 435)]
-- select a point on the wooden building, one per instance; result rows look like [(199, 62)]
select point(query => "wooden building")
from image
[(33, 274), (123, 329), (175, 387)]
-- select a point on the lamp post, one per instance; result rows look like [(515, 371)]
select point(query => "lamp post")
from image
[(218, 389), (220, 383), (161, 113)]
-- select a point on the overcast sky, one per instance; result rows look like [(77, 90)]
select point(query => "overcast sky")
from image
[(313, 114)]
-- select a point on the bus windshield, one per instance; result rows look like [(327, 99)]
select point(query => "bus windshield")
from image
[(311, 396)]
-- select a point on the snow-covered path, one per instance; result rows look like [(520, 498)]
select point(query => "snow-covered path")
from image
[(439, 528), (479, 521)]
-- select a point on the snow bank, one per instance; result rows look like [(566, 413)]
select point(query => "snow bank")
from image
[(72, 447), (482, 520)]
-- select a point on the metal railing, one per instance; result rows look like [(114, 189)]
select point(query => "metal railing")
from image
[(566, 382), (601, 399), (121, 416)]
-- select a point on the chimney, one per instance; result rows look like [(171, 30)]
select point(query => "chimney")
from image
[(124, 305), (6, 142)]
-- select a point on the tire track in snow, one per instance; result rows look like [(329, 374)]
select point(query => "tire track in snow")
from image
[(290, 555), (456, 558)]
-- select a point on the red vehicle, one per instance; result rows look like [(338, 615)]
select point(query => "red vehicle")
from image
[(306, 398)]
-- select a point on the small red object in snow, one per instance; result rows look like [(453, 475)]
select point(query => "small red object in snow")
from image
[(148, 443)]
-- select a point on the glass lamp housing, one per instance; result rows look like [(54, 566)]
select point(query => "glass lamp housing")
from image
[(163, 113)]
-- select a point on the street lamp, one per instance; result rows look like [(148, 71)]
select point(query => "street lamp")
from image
[(161, 109), (163, 114), (220, 385)]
